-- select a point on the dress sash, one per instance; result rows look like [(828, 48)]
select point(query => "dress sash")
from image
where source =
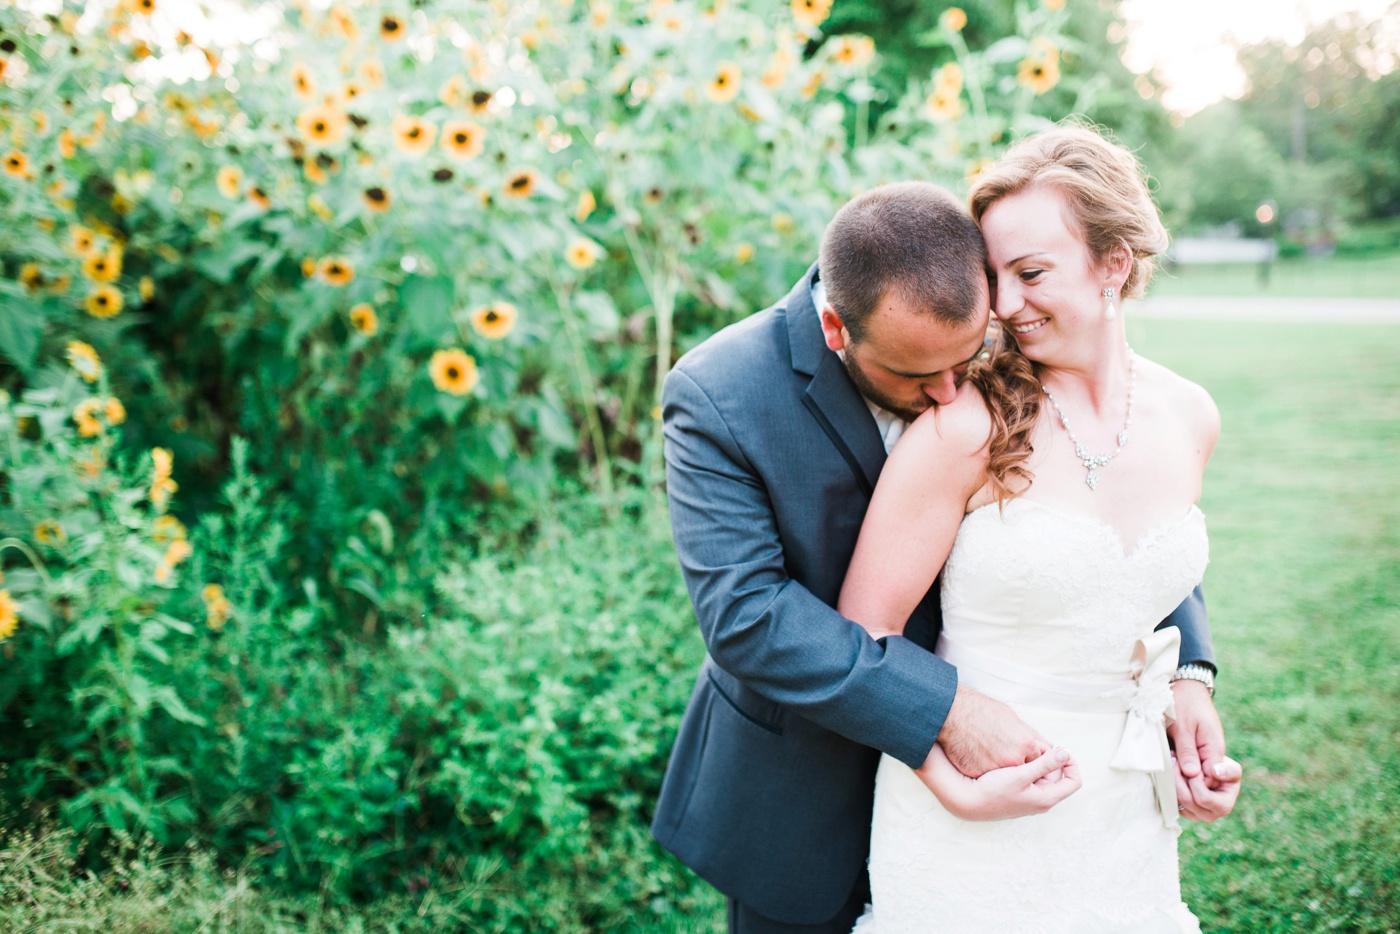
[(1145, 694)]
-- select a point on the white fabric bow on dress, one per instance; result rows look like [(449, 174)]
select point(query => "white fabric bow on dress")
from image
[(1143, 746)]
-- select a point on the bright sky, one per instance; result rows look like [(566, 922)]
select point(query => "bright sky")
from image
[(1189, 44)]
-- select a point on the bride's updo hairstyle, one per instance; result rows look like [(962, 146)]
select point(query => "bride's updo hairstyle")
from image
[(1104, 188), (1106, 195)]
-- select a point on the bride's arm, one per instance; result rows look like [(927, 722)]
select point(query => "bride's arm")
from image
[(939, 463), (938, 466)]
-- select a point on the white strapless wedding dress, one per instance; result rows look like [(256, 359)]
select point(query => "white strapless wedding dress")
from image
[(1051, 613)]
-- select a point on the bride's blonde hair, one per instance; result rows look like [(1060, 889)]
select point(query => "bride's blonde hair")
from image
[(1106, 194)]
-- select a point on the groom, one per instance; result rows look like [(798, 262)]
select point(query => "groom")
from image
[(776, 429)]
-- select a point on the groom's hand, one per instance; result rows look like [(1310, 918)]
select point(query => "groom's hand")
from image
[(1207, 780), (981, 734)]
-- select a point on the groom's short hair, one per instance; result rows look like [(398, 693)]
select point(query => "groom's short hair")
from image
[(913, 237)]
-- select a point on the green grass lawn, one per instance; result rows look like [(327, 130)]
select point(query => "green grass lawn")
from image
[(1303, 503), (1303, 277)]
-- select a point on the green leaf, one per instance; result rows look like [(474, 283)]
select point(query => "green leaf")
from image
[(427, 307), (21, 325), (221, 262), (166, 697)]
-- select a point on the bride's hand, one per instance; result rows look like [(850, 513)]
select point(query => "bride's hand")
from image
[(1016, 791)]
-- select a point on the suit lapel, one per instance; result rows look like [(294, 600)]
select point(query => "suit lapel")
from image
[(831, 396)]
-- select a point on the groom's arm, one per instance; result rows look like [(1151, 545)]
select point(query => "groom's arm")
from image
[(763, 627), (1194, 624), (1208, 782)]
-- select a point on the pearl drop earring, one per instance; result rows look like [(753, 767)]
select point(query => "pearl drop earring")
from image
[(1110, 312)]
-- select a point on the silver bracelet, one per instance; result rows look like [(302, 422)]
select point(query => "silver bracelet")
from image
[(1196, 673)]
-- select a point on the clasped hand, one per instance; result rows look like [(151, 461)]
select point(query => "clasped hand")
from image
[(989, 765)]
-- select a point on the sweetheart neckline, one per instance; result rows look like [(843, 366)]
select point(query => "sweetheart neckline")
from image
[(1150, 534)]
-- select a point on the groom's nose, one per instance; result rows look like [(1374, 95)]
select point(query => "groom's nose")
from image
[(942, 388)]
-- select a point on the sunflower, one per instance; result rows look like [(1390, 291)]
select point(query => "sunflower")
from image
[(258, 196), (599, 13), (17, 164), (49, 532), (350, 91), (114, 410), (67, 146), (949, 78), (337, 270), (84, 359), (9, 615), (31, 277), (163, 462), (494, 321), (85, 416), (364, 320), (724, 86), (168, 529), (953, 19), (853, 51), (217, 607), (390, 28), (582, 253), (91, 467), (373, 72), (521, 183), (1054, 6), (343, 22), (104, 302), (177, 551), (479, 102), (83, 240), (146, 288), (378, 199), (302, 82), (322, 124), (315, 172), (1039, 73), (453, 92), (743, 252), (162, 486), (774, 75), (41, 121), (783, 222), (811, 12), (103, 267), (413, 135), (308, 266), (813, 85), (943, 105), (462, 140), (319, 206), (229, 181), (144, 6), (453, 371), (586, 205)]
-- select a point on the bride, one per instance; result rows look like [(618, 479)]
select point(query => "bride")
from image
[(1065, 525)]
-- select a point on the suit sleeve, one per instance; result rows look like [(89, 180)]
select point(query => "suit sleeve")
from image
[(1191, 619), (765, 628)]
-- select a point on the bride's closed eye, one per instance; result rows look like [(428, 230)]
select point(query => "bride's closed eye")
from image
[(1030, 275)]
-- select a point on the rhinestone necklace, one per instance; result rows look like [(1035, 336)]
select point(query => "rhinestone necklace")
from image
[(1094, 461)]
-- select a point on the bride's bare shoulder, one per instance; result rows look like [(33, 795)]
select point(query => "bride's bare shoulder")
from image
[(959, 429), (1187, 400)]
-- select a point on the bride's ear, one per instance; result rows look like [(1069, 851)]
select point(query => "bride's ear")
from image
[(1117, 265)]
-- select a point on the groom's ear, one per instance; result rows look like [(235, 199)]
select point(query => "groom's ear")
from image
[(837, 337)]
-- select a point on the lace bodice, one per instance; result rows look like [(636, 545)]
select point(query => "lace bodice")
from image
[(1060, 592)]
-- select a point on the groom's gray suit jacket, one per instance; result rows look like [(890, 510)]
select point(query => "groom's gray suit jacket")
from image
[(771, 459)]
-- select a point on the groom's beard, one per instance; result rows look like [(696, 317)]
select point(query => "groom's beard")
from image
[(907, 409)]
